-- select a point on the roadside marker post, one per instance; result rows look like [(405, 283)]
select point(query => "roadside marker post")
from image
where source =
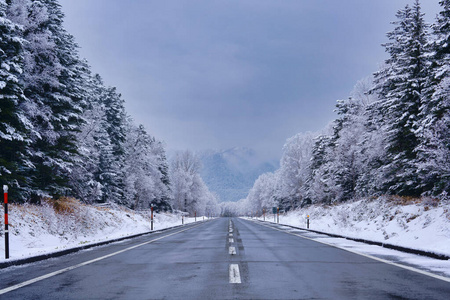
[(278, 215), (274, 212), (151, 218), (264, 214), (5, 195), (307, 221), (182, 220), (195, 215)]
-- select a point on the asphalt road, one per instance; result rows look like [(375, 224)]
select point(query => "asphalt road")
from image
[(219, 259)]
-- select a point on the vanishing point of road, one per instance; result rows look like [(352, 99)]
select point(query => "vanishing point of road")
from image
[(225, 258)]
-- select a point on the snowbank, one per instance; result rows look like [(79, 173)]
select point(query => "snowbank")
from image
[(56, 226), (418, 224)]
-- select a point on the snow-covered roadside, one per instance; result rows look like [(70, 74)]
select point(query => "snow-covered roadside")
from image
[(418, 225), (36, 230)]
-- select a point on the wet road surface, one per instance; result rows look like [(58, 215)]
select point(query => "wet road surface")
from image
[(226, 258)]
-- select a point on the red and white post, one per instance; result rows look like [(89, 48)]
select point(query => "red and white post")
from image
[(5, 195)]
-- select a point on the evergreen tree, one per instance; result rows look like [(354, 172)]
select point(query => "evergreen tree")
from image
[(93, 145), (52, 84), (434, 152), (113, 160), (400, 86), (13, 124), (318, 182)]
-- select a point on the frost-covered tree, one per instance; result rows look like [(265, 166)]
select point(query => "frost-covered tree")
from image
[(93, 145), (112, 160), (318, 182), (14, 125), (400, 86), (294, 170), (144, 181), (434, 132), (262, 194), (51, 80), (190, 193)]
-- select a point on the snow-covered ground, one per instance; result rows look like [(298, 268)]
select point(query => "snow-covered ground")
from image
[(423, 225), (36, 230)]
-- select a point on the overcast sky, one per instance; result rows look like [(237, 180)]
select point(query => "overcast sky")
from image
[(233, 73)]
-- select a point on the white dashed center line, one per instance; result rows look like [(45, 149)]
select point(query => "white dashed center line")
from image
[(235, 276)]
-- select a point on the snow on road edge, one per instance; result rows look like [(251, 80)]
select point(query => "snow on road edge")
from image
[(36, 230)]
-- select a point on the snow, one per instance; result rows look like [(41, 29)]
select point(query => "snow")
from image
[(439, 267), (36, 230), (422, 226)]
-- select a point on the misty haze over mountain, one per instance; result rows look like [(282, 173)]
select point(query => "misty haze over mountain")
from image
[(231, 173)]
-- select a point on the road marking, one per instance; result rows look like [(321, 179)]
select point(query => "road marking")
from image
[(368, 256), (232, 251), (235, 276), (37, 279), (231, 240), (230, 235)]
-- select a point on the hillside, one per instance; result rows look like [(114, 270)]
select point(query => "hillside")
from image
[(60, 225)]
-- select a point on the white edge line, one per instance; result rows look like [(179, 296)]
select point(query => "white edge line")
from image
[(34, 280), (368, 256)]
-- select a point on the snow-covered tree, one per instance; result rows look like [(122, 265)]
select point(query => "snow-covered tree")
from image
[(144, 181), (14, 125), (93, 145), (294, 170), (434, 133), (400, 86), (190, 193), (52, 73)]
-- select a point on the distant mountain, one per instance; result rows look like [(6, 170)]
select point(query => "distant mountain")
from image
[(231, 173)]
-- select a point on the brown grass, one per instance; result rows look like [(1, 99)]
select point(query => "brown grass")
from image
[(64, 205), (407, 200)]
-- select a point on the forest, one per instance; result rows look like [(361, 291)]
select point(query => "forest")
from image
[(391, 136), (65, 134)]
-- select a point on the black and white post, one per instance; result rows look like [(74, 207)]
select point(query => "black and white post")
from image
[(5, 195)]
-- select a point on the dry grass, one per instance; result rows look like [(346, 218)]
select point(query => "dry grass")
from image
[(64, 205), (408, 200)]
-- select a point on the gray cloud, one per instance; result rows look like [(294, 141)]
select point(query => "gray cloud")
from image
[(219, 74)]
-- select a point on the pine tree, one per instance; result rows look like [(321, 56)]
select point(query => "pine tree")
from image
[(13, 124), (93, 142), (343, 156), (318, 182), (400, 86), (434, 152), (113, 160), (52, 85)]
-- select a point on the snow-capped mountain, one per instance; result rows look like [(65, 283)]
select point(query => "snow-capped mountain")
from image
[(231, 173)]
